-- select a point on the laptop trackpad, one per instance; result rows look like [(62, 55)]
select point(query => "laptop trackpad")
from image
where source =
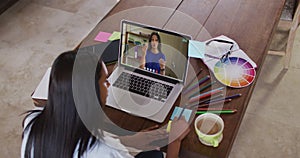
[(138, 105), (142, 101)]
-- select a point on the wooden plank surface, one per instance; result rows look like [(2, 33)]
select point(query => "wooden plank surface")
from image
[(190, 16), (249, 22), (150, 12)]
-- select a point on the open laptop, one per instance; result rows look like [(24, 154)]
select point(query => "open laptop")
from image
[(139, 88)]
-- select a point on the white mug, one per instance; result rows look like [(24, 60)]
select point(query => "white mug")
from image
[(209, 128)]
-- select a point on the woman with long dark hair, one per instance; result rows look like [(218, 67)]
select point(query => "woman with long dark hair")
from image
[(153, 59), (57, 131)]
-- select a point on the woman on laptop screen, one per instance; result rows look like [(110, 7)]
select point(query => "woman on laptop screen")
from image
[(153, 59)]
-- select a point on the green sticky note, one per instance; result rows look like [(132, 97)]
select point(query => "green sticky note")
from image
[(196, 49), (115, 36)]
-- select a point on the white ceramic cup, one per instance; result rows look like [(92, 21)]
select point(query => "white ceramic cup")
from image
[(209, 128)]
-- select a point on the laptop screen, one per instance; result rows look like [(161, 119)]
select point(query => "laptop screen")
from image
[(154, 50)]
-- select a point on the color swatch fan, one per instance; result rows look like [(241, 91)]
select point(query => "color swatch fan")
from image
[(235, 72)]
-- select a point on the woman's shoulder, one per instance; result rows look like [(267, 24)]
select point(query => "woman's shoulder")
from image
[(162, 55)]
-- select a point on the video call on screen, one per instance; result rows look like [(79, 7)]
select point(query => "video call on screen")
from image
[(169, 59)]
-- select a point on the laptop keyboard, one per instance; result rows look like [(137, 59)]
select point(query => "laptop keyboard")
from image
[(143, 86)]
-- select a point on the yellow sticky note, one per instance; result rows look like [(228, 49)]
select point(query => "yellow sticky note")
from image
[(169, 126), (115, 36)]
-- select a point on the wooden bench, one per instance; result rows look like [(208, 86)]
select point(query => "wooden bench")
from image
[(288, 23)]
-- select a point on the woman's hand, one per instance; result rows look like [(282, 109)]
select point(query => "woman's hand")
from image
[(143, 57), (162, 63), (144, 49), (179, 129)]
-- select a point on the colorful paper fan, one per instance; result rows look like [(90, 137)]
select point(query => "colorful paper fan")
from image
[(235, 72)]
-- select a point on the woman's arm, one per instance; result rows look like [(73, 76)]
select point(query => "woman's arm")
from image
[(145, 138), (143, 57), (162, 64), (179, 129), (173, 149)]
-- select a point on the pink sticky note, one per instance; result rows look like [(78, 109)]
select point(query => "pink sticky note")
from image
[(102, 36)]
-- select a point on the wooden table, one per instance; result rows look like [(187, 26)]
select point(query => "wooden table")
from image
[(250, 23)]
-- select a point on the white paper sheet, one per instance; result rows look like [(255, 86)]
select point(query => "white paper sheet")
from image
[(215, 50), (41, 91)]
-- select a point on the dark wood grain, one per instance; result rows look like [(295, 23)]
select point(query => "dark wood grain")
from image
[(150, 12), (190, 16), (249, 22)]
